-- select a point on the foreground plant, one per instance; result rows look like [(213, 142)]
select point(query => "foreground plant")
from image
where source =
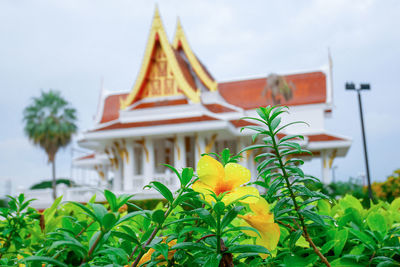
[(14, 229), (216, 218), (284, 179)]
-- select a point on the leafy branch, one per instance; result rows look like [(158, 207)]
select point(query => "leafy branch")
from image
[(279, 167)]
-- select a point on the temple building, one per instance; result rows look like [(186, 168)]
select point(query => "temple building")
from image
[(177, 111)]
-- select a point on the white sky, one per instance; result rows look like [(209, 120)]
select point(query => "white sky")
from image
[(69, 45)]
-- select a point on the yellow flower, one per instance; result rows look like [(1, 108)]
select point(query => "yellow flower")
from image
[(214, 177), (147, 256), (263, 220)]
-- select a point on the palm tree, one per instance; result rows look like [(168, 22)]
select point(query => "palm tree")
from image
[(50, 123)]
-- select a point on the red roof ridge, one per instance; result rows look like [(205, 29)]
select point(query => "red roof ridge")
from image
[(90, 156), (119, 125)]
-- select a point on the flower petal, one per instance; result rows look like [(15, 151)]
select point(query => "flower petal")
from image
[(269, 238), (236, 174), (261, 207), (241, 192), (204, 189), (210, 171)]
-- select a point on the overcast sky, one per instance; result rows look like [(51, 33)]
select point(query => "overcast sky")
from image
[(69, 45)]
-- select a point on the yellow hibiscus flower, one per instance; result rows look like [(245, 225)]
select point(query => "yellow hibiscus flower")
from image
[(262, 220), (214, 177)]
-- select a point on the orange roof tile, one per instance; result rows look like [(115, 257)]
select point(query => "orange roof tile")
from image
[(310, 88), (324, 138), (119, 125), (111, 108), (185, 69), (90, 156), (161, 103), (217, 108), (242, 123)]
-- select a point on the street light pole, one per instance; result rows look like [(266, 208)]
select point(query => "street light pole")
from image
[(351, 86)]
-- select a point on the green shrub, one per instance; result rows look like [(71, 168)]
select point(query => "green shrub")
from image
[(216, 218)]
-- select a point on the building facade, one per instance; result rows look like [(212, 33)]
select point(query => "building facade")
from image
[(177, 111)]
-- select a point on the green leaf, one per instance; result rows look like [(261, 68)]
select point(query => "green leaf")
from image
[(41, 259), (119, 252), (108, 221), (162, 189), (263, 113), (206, 216), (213, 260), (295, 261), (158, 217), (49, 213), (162, 248), (86, 209), (376, 222), (313, 217), (288, 137), (189, 246), (125, 236), (187, 175), (99, 211), (131, 215), (123, 199), (219, 207), (275, 123), (229, 216), (294, 236), (248, 249), (72, 244), (111, 199), (341, 239), (328, 246)]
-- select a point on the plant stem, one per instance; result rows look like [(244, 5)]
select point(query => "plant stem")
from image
[(93, 247), (84, 229), (286, 225), (153, 234), (218, 234), (204, 237), (293, 197)]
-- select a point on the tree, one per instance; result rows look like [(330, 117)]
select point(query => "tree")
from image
[(50, 123)]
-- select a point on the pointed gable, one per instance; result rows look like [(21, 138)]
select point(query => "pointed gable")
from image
[(163, 71), (181, 45)]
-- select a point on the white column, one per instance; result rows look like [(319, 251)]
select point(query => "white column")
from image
[(179, 152), (148, 161), (240, 146), (128, 168), (117, 182), (200, 145), (326, 170)]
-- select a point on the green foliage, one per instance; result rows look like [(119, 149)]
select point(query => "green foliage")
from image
[(389, 189), (184, 229), (49, 124), (281, 175), (47, 184), (17, 229)]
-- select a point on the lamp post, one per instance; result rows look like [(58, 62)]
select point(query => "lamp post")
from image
[(363, 86)]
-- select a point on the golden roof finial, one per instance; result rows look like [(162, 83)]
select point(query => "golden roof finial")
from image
[(178, 32), (157, 23), (178, 23)]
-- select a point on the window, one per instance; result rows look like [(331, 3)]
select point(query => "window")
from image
[(163, 154), (190, 151), (138, 160), (222, 144)]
